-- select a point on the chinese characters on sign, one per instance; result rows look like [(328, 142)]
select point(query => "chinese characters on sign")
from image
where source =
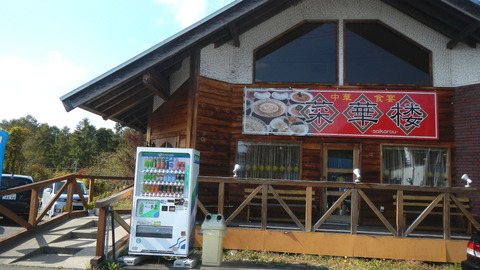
[(351, 113)]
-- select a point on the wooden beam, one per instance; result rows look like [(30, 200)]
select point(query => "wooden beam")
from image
[(472, 27), (253, 18), (221, 198), (121, 97), (127, 104), (354, 211), (234, 32), (400, 218), (34, 203), (446, 216), (264, 206), (193, 99), (441, 23), (308, 209), (101, 100), (157, 84)]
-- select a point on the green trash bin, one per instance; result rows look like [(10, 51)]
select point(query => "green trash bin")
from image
[(213, 230)]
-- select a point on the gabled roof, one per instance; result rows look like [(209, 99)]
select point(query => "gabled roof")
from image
[(124, 94)]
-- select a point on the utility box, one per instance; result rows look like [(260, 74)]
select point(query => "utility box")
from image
[(213, 230)]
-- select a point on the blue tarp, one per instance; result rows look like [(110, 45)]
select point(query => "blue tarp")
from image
[(3, 143)]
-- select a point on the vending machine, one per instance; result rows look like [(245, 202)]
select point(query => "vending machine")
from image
[(164, 202)]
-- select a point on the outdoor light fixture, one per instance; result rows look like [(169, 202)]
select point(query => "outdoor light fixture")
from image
[(410, 181), (467, 179), (357, 175), (235, 170)]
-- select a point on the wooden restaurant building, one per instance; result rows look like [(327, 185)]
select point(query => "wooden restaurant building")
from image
[(300, 93)]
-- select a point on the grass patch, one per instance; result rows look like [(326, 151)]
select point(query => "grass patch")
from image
[(331, 262)]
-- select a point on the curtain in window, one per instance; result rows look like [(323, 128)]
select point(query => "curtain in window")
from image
[(268, 160), (415, 166)]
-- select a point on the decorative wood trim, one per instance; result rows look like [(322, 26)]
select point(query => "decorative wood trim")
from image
[(193, 99)]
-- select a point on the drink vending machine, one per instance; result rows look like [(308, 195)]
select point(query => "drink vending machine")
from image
[(164, 202)]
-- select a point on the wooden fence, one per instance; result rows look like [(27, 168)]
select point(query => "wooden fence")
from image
[(445, 198)]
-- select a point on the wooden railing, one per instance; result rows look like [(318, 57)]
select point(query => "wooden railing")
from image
[(357, 193), (36, 219), (106, 210), (443, 196)]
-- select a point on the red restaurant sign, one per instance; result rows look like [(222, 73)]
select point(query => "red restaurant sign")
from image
[(345, 113)]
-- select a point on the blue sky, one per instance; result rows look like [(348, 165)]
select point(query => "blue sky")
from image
[(51, 47)]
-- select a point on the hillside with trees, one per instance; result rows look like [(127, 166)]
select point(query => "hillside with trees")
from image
[(45, 151)]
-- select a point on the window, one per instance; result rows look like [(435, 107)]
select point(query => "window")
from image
[(375, 54), (419, 166), (307, 54), (339, 162), (268, 160)]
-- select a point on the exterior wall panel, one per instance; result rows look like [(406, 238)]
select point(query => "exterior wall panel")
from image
[(234, 65)]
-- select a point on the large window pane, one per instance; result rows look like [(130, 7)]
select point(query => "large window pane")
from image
[(307, 54), (268, 160), (415, 166), (375, 54)]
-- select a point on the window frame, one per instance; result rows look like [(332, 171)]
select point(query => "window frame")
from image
[(283, 35), (448, 164), (395, 32), (356, 151)]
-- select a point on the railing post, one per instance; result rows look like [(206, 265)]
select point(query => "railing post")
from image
[(32, 216), (308, 209), (221, 197), (354, 211), (264, 206), (446, 216), (400, 217), (69, 203), (91, 183), (102, 228)]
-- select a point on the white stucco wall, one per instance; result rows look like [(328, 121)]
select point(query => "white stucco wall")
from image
[(456, 67)]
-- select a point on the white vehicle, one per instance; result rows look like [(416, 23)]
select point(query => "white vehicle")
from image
[(59, 206)]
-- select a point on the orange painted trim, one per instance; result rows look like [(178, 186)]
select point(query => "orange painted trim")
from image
[(330, 244)]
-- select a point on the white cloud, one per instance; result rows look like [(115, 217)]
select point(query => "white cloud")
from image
[(185, 12), (56, 71), (35, 89)]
